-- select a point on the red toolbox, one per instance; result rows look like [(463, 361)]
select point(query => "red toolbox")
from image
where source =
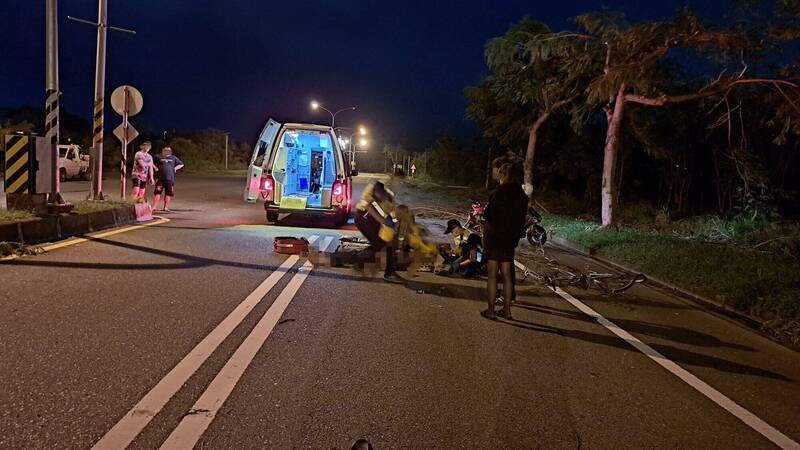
[(290, 245)]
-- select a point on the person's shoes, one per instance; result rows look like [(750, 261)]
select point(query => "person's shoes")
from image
[(488, 314), (499, 300), (506, 316), (167, 210), (393, 278)]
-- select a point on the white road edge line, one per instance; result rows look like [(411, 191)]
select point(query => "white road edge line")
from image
[(74, 241), (195, 423), (750, 419), (128, 428)]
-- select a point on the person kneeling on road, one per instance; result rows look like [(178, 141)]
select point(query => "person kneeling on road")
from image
[(369, 220), (167, 165), (466, 256)]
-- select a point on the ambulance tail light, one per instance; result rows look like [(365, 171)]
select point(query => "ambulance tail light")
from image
[(267, 184), (337, 193), (268, 187)]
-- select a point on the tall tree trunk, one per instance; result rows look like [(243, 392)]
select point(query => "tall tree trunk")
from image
[(610, 158), (533, 134), (622, 156)]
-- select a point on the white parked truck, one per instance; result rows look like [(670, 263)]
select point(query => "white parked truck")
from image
[(73, 163)]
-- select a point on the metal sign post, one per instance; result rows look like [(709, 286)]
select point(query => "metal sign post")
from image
[(127, 101), (99, 94)]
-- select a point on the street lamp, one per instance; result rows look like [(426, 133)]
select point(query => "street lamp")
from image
[(352, 141), (315, 105), (361, 143)]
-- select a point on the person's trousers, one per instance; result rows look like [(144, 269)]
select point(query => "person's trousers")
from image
[(370, 228)]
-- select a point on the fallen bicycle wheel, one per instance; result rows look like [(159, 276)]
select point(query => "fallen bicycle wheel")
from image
[(618, 284)]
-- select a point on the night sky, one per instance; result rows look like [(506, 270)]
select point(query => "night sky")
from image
[(231, 64)]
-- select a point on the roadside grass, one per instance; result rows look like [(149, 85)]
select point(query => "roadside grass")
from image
[(760, 282), (423, 181), (14, 248), (11, 216), (82, 207), (90, 206), (461, 195)]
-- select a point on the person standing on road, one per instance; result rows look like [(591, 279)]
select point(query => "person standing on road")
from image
[(505, 221), (369, 220), (516, 168), (167, 165), (142, 171)]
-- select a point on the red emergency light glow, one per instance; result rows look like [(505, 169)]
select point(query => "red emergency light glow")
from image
[(267, 184)]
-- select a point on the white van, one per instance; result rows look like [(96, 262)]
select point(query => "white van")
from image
[(301, 169)]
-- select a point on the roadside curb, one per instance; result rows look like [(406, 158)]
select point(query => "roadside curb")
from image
[(714, 305), (53, 228)]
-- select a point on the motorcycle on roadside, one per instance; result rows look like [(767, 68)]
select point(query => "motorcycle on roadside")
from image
[(534, 232), (475, 217)]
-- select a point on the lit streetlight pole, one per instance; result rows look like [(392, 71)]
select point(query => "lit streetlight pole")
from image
[(350, 141), (361, 143), (315, 106)]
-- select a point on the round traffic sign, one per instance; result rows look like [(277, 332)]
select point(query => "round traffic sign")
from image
[(127, 97)]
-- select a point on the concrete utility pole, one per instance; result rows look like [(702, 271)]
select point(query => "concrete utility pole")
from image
[(99, 94), (51, 109), (227, 135), (99, 100)]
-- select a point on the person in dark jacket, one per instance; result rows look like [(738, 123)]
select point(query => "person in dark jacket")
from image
[(516, 166), (369, 219), (505, 221)]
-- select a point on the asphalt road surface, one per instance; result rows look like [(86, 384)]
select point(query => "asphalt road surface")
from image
[(192, 332)]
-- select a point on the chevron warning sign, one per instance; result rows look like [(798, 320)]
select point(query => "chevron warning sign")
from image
[(17, 164)]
